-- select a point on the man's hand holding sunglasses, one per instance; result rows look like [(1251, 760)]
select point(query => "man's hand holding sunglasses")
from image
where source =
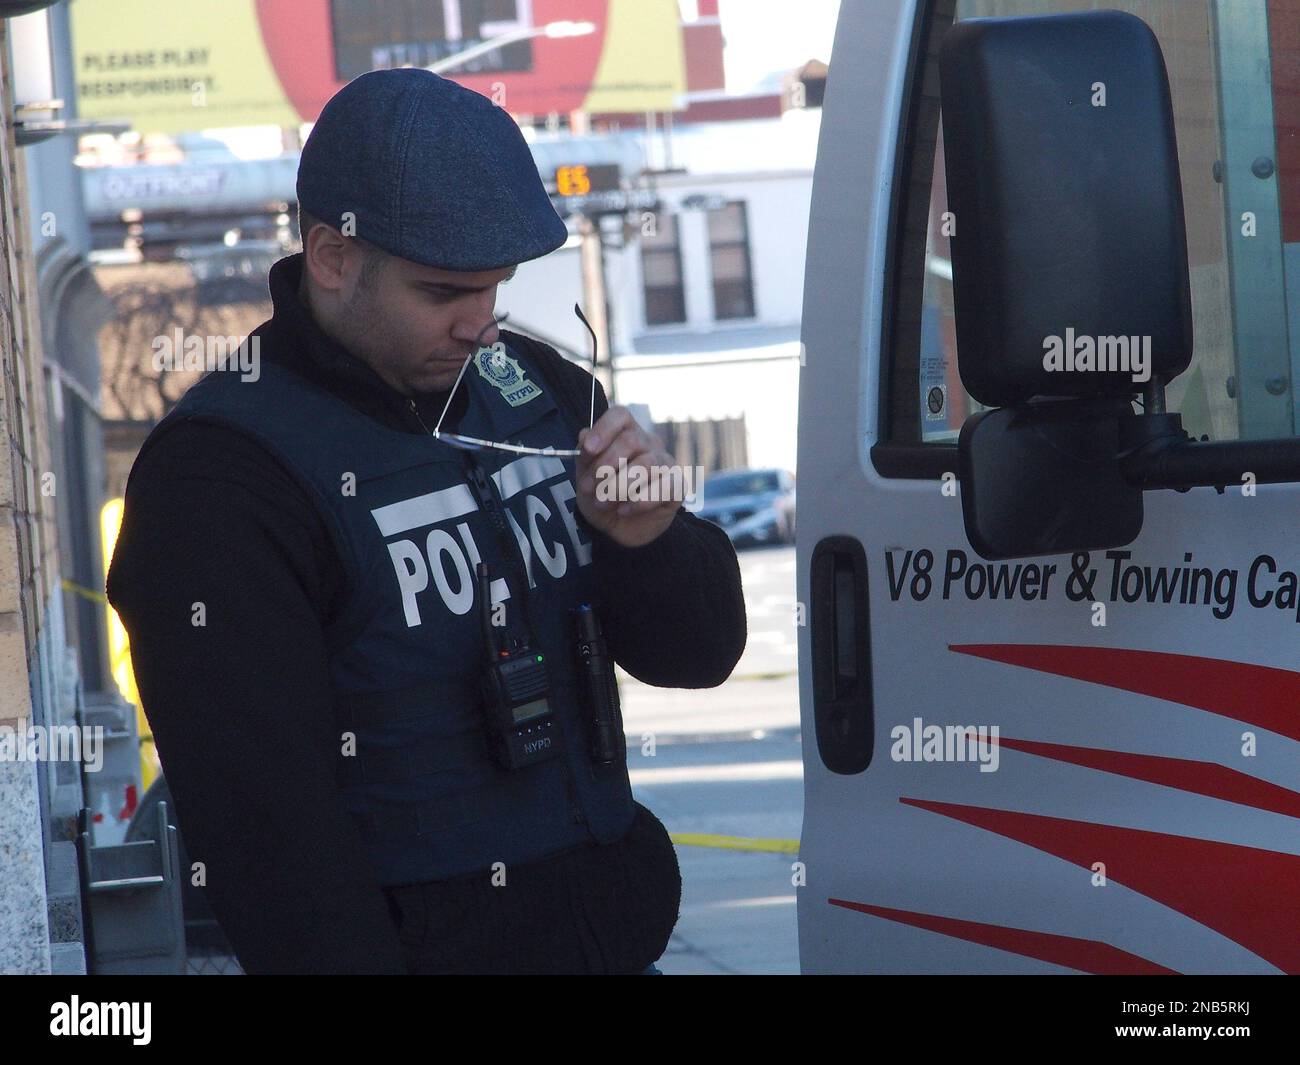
[(634, 521)]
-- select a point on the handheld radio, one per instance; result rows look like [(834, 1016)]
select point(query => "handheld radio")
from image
[(520, 721)]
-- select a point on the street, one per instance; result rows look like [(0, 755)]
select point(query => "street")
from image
[(726, 762)]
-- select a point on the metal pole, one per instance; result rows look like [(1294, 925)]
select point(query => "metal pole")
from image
[(595, 305)]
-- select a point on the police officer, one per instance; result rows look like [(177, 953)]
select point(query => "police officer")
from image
[(317, 572)]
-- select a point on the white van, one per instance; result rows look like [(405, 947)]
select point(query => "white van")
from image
[(1050, 679)]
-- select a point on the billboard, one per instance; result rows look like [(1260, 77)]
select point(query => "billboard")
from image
[(170, 68)]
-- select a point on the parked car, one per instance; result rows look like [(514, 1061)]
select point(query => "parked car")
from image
[(754, 506)]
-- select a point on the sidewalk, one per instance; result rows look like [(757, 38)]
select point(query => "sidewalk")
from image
[(737, 707), (727, 761)]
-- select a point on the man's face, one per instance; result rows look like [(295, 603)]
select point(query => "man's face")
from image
[(415, 325)]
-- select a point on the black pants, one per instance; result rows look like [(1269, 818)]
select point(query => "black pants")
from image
[(594, 909)]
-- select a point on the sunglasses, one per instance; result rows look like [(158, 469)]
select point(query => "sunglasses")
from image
[(473, 443)]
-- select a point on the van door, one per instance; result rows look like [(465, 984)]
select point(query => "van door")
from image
[(1077, 763)]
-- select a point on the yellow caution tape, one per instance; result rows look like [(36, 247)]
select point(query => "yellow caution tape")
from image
[(735, 843), (83, 591)]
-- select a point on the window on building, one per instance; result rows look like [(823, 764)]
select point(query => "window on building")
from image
[(661, 272), (733, 283)]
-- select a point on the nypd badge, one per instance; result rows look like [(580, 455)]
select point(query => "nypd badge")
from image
[(500, 370)]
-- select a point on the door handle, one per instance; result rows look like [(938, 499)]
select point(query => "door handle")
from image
[(843, 710)]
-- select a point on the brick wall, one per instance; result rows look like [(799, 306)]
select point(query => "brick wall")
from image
[(28, 566)]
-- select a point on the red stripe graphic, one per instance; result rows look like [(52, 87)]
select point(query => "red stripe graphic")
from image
[(1258, 695), (1252, 896), (1201, 778), (1086, 955)]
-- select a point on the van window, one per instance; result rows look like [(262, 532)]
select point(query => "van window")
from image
[(1235, 87)]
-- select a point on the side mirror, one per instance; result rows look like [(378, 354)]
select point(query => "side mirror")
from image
[(1070, 283), (1070, 255), (1042, 478)]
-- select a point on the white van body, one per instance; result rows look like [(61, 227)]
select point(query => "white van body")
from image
[(1137, 808)]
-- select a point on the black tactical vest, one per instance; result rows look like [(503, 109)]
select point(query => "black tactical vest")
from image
[(407, 648)]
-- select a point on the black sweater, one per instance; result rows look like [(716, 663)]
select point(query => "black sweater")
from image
[(240, 708)]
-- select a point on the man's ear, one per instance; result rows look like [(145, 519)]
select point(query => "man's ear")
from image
[(326, 255)]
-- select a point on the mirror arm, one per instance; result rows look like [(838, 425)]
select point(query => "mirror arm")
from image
[(1183, 463), (1155, 452)]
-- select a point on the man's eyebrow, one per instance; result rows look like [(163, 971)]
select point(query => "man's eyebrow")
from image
[(450, 286)]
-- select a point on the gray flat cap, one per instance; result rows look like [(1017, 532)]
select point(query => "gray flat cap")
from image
[(431, 171)]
